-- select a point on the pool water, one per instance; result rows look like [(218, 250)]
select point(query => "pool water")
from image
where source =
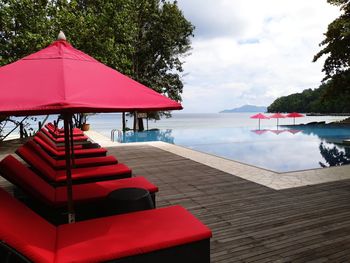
[(286, 149)]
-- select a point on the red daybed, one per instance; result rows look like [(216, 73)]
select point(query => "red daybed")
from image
[(59, 153), (79, 175), (61, 139), (20, 175), (168, 234), (78, 162)]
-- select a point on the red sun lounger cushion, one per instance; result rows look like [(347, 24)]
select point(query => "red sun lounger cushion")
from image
[(78, 163), (17, 173), (61, 130), (78, 153), (113, 237), (96, 240), (59, 176), (56, 133), (61, 140), (26, 231), (53, 145)]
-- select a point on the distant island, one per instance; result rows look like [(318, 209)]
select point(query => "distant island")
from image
[(247, 108)]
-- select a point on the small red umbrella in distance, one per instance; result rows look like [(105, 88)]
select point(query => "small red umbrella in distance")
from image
[(277, 132), (294, 115), (277, 116), (259, 132), (259, 116), (294, 131)]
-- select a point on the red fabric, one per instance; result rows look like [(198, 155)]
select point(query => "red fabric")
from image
[(259, 116), (99, 239), (25, 231), (78, 163), (277, 116), (60, 78), (57, 133), (61, 139), (130, 234), (53, 144), (114, 170), (85, 193), (294, 115), (77, 153), (77, 173), (61, 130), (15, 172)]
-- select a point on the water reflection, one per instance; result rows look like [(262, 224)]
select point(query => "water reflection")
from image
[(333, 155), (146, 136), (278, 150)]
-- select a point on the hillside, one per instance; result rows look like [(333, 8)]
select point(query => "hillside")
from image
[(312, 101)]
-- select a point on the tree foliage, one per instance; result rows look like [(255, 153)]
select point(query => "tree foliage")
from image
[(145, 39), (336, 48), (314, 101)]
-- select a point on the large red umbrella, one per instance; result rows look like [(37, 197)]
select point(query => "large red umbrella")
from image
[(294, 115), (60, 79), (259, 116), (277, 116)]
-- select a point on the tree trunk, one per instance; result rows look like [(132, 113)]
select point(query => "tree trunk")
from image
[(140, 122)]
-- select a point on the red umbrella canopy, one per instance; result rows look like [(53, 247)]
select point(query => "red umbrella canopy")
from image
[(277, 116), (259, 116), (259, 132), (294, 131), (294, 115), (60, 78), (277, 131)]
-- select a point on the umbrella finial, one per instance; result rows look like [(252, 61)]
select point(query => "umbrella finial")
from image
[(61, 36)]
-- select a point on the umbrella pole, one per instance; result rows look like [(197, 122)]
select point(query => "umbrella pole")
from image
[(71, 215), (71, 141), (259, 124)]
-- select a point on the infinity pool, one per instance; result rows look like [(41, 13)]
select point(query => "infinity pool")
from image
[(283, 150)]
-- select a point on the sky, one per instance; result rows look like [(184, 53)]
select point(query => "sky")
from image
[(252, 51)]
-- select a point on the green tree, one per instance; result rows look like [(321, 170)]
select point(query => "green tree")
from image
[(163, 38), (336, 46), (145, 39)]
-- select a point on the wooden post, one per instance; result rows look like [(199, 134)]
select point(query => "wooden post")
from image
[(135, 128), (21, 131), (123, 122), (67, 142)]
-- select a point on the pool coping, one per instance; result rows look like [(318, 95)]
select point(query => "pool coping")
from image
[(268, 178)]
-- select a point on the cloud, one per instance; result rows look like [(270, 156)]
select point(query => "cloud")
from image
[(251, 51)]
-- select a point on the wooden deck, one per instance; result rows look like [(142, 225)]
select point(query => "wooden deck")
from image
[(250, 222)]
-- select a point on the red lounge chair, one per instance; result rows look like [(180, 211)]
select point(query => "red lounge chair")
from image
[(78, 163), (60, 146), (61, 130), (46, 139), (168, 234), (61, 140), (59, 152), (20, 175), (60, 134), (79, 175)]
